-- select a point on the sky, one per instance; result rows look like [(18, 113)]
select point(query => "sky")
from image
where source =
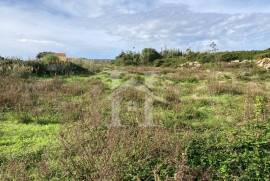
[(104, 28)]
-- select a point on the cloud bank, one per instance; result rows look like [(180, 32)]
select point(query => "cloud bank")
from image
[(101, 29)]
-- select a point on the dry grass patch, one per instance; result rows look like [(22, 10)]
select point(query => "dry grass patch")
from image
[(223, 87)]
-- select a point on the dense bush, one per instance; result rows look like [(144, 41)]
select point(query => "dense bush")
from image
[(206, 57), (50, 58), (56, 68), (175, 58), (233, 154), (148, 55), (228, 56), (263, 55), (128, 58), (48, 65), (43, 54), (14, 67)]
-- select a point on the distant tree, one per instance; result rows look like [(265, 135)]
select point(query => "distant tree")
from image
[(43, 54), (149, 55), (50, 58), (188, 51), (213, 46), (128, 58), (171, 53), (190, 55)]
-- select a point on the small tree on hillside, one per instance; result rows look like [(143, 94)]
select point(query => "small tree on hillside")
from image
[(43, 54), (128, 58), (149, 55), (50, 58)]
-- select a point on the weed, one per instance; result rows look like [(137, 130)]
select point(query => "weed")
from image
[(25, 118), (220, 88)]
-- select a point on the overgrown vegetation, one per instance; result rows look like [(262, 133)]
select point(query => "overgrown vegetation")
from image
[(176, 57), (49, 65), (211, 122)]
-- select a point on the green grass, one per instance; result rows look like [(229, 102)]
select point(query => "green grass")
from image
[(18, 139), (204, 115)]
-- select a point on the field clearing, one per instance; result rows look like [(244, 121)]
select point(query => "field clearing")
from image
[(52, 125)]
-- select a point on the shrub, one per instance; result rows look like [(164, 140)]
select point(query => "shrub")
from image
[(46, 119), (53, 67), (206, 57), (260, 108), (187, 75), (26, 118), (192, 113), (172, 95), (50, 58), (138, 79), (128, 58), (149, 55), (228, 57), (120, 154), (14, 93), (263, 55), (232, 154), (159, 62), (225, 88), (43, 54), (175, 57), (132, 109), (15, 67)]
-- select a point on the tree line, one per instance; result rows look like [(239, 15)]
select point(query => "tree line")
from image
[(174, 57)]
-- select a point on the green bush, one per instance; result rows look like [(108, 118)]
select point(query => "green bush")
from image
[(56, 68), (15, 67), (174, 58), (46, 120), (50, 58), (228, 57), (149, 55), (263, 55), (143, 159), (206, 58), (231, 157), (139, 79), (26, 118), (43, 54), (192, 113), (49, 65), (128, 58), (159, 62)]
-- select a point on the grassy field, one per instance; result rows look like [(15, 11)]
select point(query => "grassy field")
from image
[(211, 123)]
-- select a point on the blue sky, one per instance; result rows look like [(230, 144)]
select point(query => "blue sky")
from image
[(103, 28)]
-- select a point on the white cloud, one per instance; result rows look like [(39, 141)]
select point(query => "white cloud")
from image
[(25, 40), (25, 33), (225, 6), (177, 25), (87, 28)]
